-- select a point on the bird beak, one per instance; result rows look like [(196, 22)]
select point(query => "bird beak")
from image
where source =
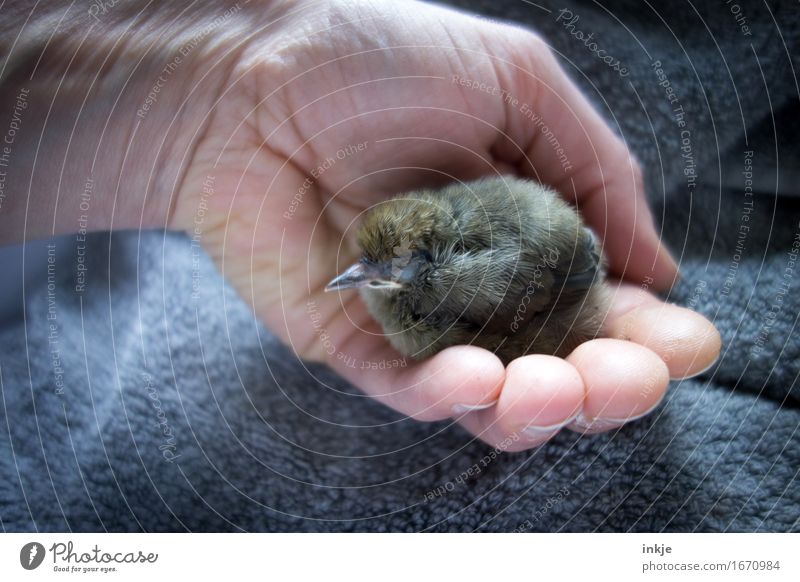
[(364, 274)]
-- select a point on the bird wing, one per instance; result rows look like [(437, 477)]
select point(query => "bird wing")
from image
[(482, 286), (544, 282), (582, 270)]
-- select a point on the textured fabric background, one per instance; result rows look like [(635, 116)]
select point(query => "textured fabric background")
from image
[(255, 440)]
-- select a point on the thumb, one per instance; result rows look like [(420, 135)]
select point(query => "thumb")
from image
[(565, 143)]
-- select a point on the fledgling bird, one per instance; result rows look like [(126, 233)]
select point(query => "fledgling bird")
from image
[(502, 263)]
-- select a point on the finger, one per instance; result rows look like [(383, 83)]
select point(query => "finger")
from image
[(568, 145), (540, 396), (686, 341), (623, 381), (455, 380)]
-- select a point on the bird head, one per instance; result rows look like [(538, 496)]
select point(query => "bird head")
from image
[(400, 241)]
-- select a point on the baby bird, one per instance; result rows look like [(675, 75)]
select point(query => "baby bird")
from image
[(502, 263)]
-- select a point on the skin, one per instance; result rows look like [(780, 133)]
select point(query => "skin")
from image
[(260, 106)]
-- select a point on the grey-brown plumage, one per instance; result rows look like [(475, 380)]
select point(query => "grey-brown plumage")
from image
[(502, 263)]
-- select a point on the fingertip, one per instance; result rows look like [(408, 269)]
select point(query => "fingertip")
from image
[(625, 297), (686, 341), (623, 380), (456, 380), (541, 394), (471, 362)]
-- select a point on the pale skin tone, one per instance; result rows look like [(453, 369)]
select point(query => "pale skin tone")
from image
[(270, 105)]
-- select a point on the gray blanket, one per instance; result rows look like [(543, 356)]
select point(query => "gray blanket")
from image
[(128, 404)]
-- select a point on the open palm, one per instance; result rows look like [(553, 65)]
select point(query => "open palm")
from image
[(338, 106)]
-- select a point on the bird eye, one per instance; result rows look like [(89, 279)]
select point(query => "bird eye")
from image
[(424, 254)]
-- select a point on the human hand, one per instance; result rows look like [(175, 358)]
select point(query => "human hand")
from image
[(337, 106)]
